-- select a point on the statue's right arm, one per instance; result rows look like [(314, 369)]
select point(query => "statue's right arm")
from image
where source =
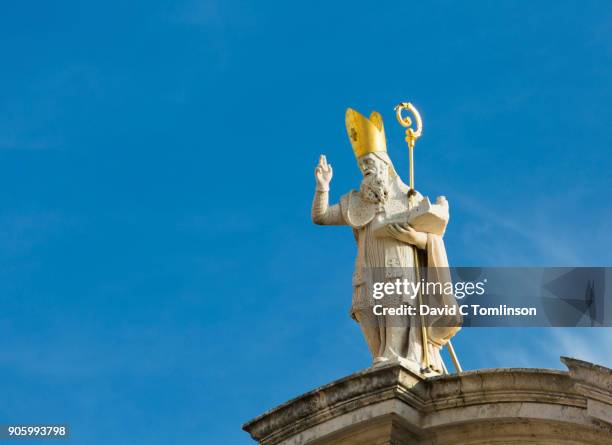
[(322, 213)]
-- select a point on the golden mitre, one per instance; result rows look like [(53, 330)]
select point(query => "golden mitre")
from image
[(366, 135)]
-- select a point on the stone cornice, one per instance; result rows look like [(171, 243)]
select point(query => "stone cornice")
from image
[(424, 401), (344, 395)]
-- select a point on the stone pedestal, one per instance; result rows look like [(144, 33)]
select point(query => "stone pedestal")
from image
[(391, 405)]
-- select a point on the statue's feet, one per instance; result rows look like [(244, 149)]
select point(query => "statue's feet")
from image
[(379, 361), (407, 363), (418, 368), (411, 365)]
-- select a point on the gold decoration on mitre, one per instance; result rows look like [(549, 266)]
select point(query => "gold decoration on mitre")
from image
[(366, 135)]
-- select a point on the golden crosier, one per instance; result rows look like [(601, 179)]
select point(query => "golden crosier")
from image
[(411, 135), (366, 135)]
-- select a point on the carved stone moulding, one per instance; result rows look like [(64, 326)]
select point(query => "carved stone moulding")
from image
[(391, 405)]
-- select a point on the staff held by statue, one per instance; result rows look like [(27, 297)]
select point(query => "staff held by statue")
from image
[(411, 137)]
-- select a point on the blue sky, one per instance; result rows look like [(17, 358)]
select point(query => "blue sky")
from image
[(160, 279)]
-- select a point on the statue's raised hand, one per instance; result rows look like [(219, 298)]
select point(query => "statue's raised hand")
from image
[(323, 174)]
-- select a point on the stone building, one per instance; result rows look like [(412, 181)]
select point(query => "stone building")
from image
[(390, 405)]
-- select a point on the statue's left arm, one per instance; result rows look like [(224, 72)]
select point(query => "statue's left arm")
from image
[(405, 233), (422, 239)]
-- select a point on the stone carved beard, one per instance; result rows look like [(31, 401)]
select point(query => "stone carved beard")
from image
[(375, 185)]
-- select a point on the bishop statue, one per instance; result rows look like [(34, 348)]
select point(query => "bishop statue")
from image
[(389, 248)]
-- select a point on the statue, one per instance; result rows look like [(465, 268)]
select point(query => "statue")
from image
[(388, 247)]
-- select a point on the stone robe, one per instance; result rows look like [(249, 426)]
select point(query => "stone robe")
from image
[(385, 259)]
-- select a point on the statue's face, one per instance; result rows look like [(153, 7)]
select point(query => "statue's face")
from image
[(375, 183), (370, 164)]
